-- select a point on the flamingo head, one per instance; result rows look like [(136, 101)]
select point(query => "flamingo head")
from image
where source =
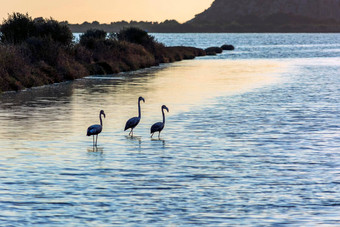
[(102, 112), (141, 99), (164, 107)]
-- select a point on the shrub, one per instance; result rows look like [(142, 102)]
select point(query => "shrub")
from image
[(91, 36), (68, 68), (49, 28), (178, 53), (37, 52), (136, 35), (82, 54), (17, 28), (42, 49), (94, 33), (20, 27), (15, 70), (107, 56)]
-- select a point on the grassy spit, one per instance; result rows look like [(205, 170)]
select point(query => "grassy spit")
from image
[(35, 52)]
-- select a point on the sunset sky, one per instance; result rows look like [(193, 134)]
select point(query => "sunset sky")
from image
[(106, 11)]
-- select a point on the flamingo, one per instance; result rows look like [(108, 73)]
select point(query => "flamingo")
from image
[(96, 129), (133, 122), (158, 127)]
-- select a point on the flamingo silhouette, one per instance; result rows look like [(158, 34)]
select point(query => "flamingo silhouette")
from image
[(133, 122), (158, 127), (96, 129)]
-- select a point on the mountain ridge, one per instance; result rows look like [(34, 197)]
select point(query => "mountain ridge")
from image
[(228, 11), (247, 16)]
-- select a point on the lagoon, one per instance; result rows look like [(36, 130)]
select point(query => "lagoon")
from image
[(252, 138)]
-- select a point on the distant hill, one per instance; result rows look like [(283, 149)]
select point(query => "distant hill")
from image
[(244, 16), (270, 15)]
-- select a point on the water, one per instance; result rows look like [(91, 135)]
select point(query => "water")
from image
[(252, 138)]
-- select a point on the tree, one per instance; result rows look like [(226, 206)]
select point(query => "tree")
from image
[(136, 35), (91, 36), (49, 28), (17, 28)]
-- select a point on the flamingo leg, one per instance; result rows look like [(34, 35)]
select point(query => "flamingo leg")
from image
[(131, 132), (93, 140), (96, 139), (152, 134), (159, 134)]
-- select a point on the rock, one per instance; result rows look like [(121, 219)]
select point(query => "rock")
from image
[(227, 47), (210, 53), (213, 50)]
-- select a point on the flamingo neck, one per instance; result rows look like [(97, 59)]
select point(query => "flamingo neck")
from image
[(163, 115), (100, 118), (139, 112)]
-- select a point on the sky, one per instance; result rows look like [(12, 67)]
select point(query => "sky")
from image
[(106, 11)]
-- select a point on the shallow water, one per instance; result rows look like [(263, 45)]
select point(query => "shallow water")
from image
[(247, 141)]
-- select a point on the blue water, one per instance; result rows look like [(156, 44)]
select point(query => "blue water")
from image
[(265, 46), (265, 156)]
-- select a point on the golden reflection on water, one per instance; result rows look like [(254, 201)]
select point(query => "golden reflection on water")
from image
[(65, 111), (191, 82), (181, 86)]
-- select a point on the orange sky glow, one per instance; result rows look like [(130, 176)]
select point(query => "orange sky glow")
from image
[(106, 11)]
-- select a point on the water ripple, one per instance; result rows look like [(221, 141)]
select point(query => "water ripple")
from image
[(267, 155)]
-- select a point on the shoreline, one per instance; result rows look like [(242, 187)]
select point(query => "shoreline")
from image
[(114, 76), (199, 66), (174, 54), (46, 52)]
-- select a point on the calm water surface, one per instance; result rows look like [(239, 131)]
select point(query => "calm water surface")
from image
[(252, 138)]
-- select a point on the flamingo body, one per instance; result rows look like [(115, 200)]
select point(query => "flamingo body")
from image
[(133, 122), (158, 127), (94, 130)]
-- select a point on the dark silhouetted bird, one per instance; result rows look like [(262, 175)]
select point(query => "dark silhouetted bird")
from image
[(133, 122), (158, 127), (96, 129)]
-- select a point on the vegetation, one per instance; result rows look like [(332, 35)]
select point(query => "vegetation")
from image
[(19, 27), (129, 49), (39, 51), (166, 26)]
